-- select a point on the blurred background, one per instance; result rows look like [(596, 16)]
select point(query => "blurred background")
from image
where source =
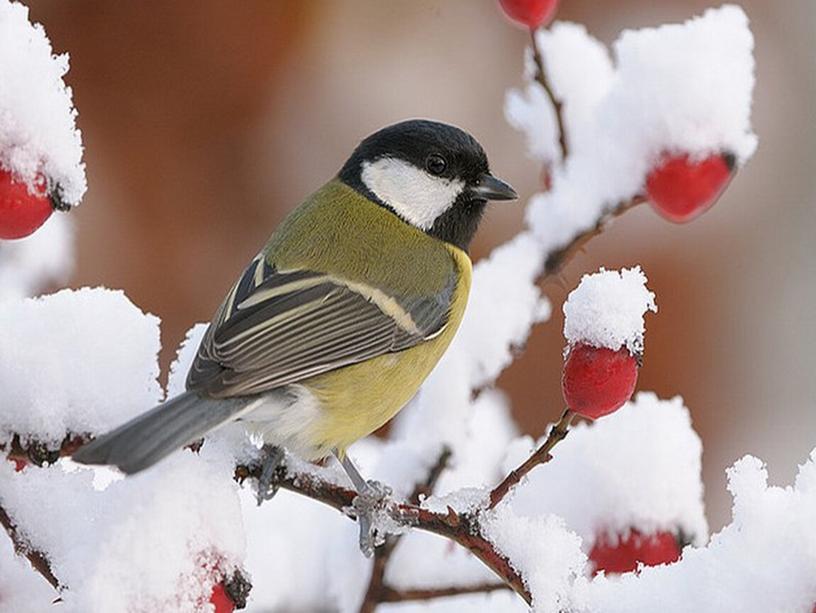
[(205, 124)]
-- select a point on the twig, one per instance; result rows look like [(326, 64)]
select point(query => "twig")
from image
[(540, 456), (426, 487), (556, 259), (541, 77), (377, 589), (394, 595), (37, 559)]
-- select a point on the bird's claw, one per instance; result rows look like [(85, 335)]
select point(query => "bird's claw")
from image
[(369, 506), (267, 488)]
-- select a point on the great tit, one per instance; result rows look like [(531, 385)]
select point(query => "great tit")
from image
[(335, 324)]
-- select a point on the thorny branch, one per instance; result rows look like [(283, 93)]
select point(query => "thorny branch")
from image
[(461, 527)]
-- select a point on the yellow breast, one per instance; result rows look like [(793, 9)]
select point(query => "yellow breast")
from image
[(358, 399)]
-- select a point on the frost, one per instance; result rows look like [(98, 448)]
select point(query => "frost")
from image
[(100, 368), (607, 310), (37, 116)]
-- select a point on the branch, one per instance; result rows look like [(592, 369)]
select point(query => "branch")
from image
[(557, 259), (40, 454), (541, 77), (394, 595), (37, 559), (558, 432), (458, 526)]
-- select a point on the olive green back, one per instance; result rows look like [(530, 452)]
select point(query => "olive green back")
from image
[(339, 231)]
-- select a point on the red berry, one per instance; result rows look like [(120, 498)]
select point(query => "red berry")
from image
[(624, 555), (21, 212), (19, 464), (531, 13), (219, 597), (597, 381), (680, 189)]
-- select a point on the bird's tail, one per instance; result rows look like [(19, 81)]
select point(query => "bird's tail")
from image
[(146, 439)]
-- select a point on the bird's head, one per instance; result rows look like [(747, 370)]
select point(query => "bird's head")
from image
[(432, 175)]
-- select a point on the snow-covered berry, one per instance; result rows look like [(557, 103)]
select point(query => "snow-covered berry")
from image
[(625, 553), (681, 188), (604, 327), (530, 13), (22, 210), (597, 381)]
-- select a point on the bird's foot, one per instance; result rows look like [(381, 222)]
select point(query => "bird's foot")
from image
[(371, 509), (272, 456)]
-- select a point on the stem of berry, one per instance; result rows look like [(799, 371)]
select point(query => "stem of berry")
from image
[(541, 77), (556, 259), (541, 455)]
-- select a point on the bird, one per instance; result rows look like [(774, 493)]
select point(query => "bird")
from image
[(334, 325)]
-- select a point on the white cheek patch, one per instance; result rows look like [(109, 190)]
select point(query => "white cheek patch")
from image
[(416, 196)]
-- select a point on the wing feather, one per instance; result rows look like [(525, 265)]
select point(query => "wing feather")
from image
[(277, 327)]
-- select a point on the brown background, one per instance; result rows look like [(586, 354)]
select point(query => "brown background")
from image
[(206, 122)]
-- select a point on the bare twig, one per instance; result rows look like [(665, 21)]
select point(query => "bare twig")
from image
[(557, 259), (394, 595), (37, 559), (541, 77), (540, 456)]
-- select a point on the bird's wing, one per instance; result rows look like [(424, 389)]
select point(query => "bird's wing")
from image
[(278, 327)]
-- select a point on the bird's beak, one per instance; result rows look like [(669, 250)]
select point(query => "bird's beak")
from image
[(489, 187)]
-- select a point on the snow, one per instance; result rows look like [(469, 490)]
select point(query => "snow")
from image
[(184, 359), (42, 259), (75, 362), (151, 542), (680, 88), (542, 549), (581, 72), (21, 590), (764, 560), (38, 131), (607, 310), (639, 467)]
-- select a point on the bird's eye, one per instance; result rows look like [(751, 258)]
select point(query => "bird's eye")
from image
[(436, 164)]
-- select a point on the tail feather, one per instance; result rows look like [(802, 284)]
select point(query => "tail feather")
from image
[(145, 440)]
